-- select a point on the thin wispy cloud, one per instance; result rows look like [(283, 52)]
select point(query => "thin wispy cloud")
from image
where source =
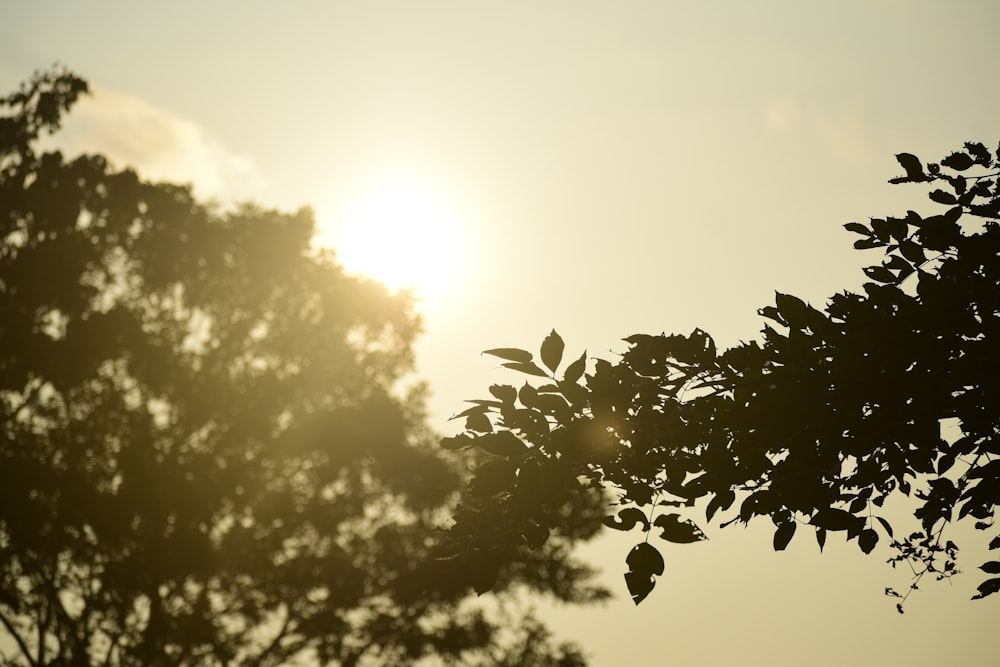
[(161, 145)]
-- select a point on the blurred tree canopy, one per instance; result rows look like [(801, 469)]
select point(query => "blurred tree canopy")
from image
[(208, 455), (893, 391)]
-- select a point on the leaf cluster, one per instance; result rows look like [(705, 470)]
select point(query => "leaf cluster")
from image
[(815, 426)]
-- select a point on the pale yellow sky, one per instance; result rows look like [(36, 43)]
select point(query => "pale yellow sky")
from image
[(615, 168)]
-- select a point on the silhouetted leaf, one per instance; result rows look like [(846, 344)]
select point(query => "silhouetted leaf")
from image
[(992, 567), (552, 351), (502, 443), (911, 164), (527, 368), (988, 587), (575, 370), (857, 228), (479, 423), (783, 535), (942, 197), (958, 161), (460, 441), (831, 518), (504, 392), (885, 525), (626, 519), (645, 559), (674, 529), (639, 586), (821, 538), (510, 354), (720, 501), (867, 540)]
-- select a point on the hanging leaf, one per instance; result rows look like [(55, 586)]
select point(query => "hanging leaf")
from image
[(720, 501), (821, 538), (831, 518), (867, 540), (988, 587), (510, 354), (783, 535), (885, 525), (992, 567), (552, 351), (645, 564)]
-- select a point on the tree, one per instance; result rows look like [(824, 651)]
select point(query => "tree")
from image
[(893, 391), (207, 454)]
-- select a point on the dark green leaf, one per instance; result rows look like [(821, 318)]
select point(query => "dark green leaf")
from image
[(552, 351), (783, 535)]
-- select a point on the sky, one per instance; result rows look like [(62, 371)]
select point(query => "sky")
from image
[(598, 168)]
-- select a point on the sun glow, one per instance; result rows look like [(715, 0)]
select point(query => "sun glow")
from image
[(402, 235)]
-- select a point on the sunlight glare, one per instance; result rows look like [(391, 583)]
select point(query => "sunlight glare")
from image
[(403, 236)]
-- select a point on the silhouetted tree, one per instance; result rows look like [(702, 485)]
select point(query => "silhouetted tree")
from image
[(206, 455), (895, 390)]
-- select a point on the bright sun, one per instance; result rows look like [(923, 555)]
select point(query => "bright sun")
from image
[(403, 236)]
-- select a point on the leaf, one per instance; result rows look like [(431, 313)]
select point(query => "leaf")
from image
[(460, 441), (821, 538), (526, 367), (988, 587), (912, 251), (783, 535), (626, 519), (504, 392), (995, 543), (720, 501), (645, 559), (831, 518), (911, 164), (942, 197), (958, 161), (992, 567), (510, 354), (645, 564), (552, 351), (502, 443), (858, 228), (793, 309), (479, 423), (575, 370), (867, 540), (673, 529), (886, 525), (639, 587), (879, 273)]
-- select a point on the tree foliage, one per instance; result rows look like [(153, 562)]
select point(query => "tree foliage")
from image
[(206, 454), (890, 391)]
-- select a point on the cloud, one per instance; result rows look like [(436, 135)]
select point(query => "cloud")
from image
[(157, 143), (846, 132)]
